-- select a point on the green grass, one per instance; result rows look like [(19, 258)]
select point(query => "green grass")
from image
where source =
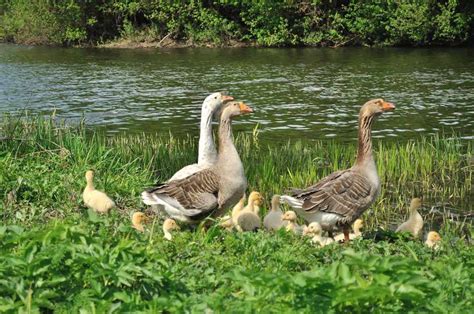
[(54, 254)]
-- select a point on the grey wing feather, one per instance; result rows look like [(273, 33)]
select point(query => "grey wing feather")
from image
[(345, 193), (196, 193)]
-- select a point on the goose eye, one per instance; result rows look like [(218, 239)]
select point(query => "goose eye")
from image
[(215, 97)]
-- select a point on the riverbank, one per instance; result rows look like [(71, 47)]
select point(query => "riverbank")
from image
[(264, 24), (56, 255)]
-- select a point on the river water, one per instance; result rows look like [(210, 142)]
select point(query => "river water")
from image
[(296, 93)]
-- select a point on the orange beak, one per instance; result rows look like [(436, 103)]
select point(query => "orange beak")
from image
[(226, 98), (388, 106), (244, 108)]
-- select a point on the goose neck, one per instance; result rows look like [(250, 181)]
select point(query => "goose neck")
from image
[(364, 151), (207, 149)]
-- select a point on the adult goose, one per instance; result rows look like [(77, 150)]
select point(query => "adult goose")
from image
[(207, 153), (340, 198), (209, 191)]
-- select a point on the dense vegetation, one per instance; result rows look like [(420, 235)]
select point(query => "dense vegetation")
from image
[(56, 255), (264, 23)]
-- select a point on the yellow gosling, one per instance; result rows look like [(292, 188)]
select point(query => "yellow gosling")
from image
[(357, 226), (94, 199), (168, 226), (292, 226), (138, 218), (315, 230), (432, 240), (414, 224)]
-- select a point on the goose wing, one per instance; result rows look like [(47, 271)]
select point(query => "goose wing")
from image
[(193, 195), (346, 193)]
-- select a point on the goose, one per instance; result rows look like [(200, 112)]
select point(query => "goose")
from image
[(339, 199), (209, 191), (314, 229), (94, 199), (168, 226), (358, 224), (138, 218), (272, 220), (414, 224), (292, 226), (207, 153), (432, 240)]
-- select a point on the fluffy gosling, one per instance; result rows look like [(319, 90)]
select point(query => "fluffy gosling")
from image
[(315, 230), (432, 240), (358, 224), (292, 226), (94, 199), (414, 224), (138, 218), (272, 220), (168, 226)]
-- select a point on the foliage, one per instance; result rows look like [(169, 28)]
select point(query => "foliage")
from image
[(263, 23), (56, 255)]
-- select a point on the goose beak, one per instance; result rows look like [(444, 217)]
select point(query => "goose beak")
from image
[(226, 98), (388, 106), (245, 108)]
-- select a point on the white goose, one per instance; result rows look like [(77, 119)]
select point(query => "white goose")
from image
[(209, 191), (207, 154), (340, 198)]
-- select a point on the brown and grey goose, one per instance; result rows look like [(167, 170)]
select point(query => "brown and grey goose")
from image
[(339, 199), (209, 191)]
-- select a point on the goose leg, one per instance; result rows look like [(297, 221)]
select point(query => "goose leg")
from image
[(346, 235)]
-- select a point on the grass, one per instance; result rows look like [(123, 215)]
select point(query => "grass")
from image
[(55, 255)]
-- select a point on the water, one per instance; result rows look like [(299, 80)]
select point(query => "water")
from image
[(296, 93)]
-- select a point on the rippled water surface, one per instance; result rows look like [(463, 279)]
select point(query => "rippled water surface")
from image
[(296, 93)]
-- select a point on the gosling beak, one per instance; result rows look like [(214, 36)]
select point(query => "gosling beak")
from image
[(245, 108), (226, 98), (388, 106)]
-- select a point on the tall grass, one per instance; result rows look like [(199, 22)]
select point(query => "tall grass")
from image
[(55, 255), (43, 163)]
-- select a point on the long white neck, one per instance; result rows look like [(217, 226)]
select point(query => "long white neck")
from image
[(207, 149)]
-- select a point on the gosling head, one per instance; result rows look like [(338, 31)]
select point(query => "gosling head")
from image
[(234, 109), (358, 224), (139, 218), (89, 175), (214, 102), (275, 202), (314, 228), (433, 236), (415, 204), (256, 198), (289, 216), (376, 107), (170, 225)]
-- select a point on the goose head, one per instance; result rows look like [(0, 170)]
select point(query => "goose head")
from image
[(234, 109), (275, 202), (376, 107), (170, 225), (213, 103), (289, 216)]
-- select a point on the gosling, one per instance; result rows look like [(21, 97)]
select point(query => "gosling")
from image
[(292, 226), (94, 199), (414, 224), (358, 224), (272, 220), (168, 226), (138, 218), (432, 240), (314, 229)]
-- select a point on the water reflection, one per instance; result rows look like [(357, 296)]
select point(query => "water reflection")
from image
[(297, 93)]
